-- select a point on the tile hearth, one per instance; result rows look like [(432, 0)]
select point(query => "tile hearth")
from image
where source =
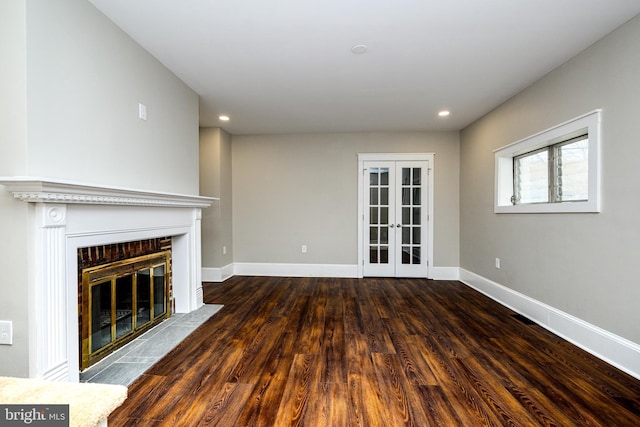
[(128, 363)]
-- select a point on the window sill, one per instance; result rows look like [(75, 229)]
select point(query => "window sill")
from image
[(564, 207)]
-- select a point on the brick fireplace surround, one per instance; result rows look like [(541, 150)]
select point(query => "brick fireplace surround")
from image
[(65, 216)]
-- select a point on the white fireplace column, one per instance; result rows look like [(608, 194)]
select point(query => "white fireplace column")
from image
[(68, 216), (49, 311), (187, 279)]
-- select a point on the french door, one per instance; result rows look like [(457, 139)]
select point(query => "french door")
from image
[(395, 211)]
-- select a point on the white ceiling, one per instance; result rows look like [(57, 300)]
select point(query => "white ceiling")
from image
[(286, 66)]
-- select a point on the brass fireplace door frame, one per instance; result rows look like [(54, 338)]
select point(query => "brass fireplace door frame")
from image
[(98, 275)]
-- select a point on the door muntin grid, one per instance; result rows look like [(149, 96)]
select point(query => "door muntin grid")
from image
[(379, 215), (411, 215)]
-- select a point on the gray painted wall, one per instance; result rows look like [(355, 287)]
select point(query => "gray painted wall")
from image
[(215, 181), (85, 79), (13, 102), (583, 264), (13, 249), (72, 82), (293, 190)]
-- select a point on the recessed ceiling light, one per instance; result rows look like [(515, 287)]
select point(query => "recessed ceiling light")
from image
[(359, 49), (224, 118), (444, 113)]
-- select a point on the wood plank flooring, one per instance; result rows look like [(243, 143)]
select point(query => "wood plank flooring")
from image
[(374, 352)]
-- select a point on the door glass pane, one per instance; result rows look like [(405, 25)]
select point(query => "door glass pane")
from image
[(373, 254), (406, 255), (406, 235), (384, 196), (406, 176), (373, 196), (406, 216), (384, 235), (373, 234), (384, 176), (100, 315), (124, 305), (373, 215), (416, 196), (384, 215), (406, 196), (384, 255), (373, 176), (143, 307), (416, 255), (159, 295), (416, 235), (416, 216), (417, 176)]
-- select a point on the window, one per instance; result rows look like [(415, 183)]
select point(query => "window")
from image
[(554, 174), (553, 171)]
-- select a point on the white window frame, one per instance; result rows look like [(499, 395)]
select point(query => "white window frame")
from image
[(588, 123)]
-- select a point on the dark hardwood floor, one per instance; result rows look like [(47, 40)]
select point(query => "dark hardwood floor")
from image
[(374, 352)]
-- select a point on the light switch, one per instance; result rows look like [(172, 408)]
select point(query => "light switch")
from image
[(142, 111)]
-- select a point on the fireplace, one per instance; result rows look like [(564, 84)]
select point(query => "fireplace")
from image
[(124, 290), (65, 217)]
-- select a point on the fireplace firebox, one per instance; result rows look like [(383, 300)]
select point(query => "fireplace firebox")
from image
[(121, 300)]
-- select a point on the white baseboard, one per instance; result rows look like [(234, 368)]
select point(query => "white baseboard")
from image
[(304, 270), (613, 349), (217, 274), (278, 270), (295, 270)]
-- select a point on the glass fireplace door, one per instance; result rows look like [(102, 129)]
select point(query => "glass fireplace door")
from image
[(121, 300)]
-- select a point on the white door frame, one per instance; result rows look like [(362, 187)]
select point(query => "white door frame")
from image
[(366, 157)]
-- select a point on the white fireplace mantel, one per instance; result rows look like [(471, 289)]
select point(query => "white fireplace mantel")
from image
[(67, 216), (30, 189)]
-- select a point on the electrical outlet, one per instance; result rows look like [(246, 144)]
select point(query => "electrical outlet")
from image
[(498, 263), (304, 249), (224, 250), (6, 332)]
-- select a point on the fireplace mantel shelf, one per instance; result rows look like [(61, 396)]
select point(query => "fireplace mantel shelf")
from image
[(43, 190)]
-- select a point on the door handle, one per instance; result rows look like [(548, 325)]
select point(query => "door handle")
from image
[(399, 225), (391, 225)]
